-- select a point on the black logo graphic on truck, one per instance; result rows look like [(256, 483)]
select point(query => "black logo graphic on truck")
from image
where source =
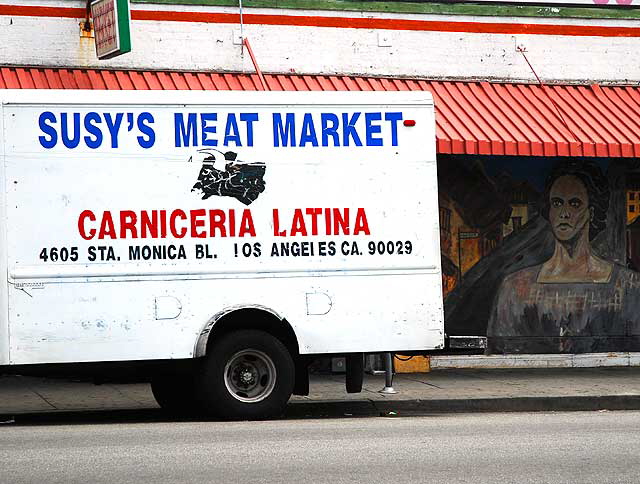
[(222, 175)]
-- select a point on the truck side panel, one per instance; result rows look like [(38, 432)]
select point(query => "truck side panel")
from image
[(133, 320), (130, 225)]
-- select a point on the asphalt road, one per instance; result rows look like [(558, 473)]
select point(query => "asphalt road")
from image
[(582, 447)]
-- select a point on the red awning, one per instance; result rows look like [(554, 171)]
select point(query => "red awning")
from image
[(486, 118)]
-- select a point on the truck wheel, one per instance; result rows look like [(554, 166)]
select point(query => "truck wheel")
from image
[(175, 394), (246, 374)]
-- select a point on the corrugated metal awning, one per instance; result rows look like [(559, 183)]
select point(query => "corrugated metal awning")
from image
[(485, 118)]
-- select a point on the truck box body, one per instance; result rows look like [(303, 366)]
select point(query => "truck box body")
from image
[(133, 220)]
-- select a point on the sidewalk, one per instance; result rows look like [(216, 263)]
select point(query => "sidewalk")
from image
[(459, 390)]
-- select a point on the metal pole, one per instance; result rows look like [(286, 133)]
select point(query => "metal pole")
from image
[(459, 257), (388, 375), (241, 29), (87, 23)]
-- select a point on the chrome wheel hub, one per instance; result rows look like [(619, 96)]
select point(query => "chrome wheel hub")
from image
[(250, 376)]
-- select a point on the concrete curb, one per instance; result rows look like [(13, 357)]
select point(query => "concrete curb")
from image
[(471, 405), (349, 408), (583, 360), (29, 399)]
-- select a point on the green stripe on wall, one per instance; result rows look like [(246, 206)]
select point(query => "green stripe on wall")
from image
[(422, 7)]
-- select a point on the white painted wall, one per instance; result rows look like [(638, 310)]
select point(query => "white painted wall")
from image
[(50, 41)]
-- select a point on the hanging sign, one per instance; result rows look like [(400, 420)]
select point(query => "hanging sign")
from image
[(112, 27)]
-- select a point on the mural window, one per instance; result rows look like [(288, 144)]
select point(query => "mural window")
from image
[(445, 219), (489, 245), (527, 289), (517, 223)]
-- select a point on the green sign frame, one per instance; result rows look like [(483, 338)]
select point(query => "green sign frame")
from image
[(112, 27)]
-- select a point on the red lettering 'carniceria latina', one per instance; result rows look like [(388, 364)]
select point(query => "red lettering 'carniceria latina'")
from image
[(321, 221), (160, 224)]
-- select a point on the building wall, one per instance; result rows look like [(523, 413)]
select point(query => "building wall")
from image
[(463, 252), (517, 211)]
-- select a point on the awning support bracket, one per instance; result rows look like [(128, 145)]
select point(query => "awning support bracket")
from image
[(246, 43), (544, 89), (87, 20)]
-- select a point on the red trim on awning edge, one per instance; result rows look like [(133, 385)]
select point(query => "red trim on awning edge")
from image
[(487, 118)]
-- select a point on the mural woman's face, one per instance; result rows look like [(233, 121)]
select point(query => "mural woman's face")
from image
[(569, 211)]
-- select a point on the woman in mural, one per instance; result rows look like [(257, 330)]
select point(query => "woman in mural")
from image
[(575, 302)]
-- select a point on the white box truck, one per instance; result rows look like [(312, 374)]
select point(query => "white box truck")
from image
[(213, 243)]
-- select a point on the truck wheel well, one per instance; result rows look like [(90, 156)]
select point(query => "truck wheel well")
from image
[(252, 318)]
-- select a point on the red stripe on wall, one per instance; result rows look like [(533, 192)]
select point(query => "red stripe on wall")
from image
[(30, 11), (339, 22)]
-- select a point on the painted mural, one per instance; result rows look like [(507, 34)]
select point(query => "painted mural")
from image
[(541, 255)]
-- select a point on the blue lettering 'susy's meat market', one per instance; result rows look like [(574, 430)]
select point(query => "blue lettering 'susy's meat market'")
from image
[(96, 129)]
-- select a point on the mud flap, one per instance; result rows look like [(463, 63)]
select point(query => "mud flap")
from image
[(354, 366), (301, 384)]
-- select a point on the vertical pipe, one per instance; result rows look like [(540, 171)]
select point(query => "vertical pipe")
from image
[(241, 28), (87, 22), (388, 370), (459, 258), (388, 374)]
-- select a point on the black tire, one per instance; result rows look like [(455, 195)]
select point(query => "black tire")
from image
[(175, 393), (246, 375)]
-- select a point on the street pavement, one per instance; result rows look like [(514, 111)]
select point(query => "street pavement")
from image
[(439, 391), (489, 448)]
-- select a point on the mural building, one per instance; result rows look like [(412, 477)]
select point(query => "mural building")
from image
[(541, 255)]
